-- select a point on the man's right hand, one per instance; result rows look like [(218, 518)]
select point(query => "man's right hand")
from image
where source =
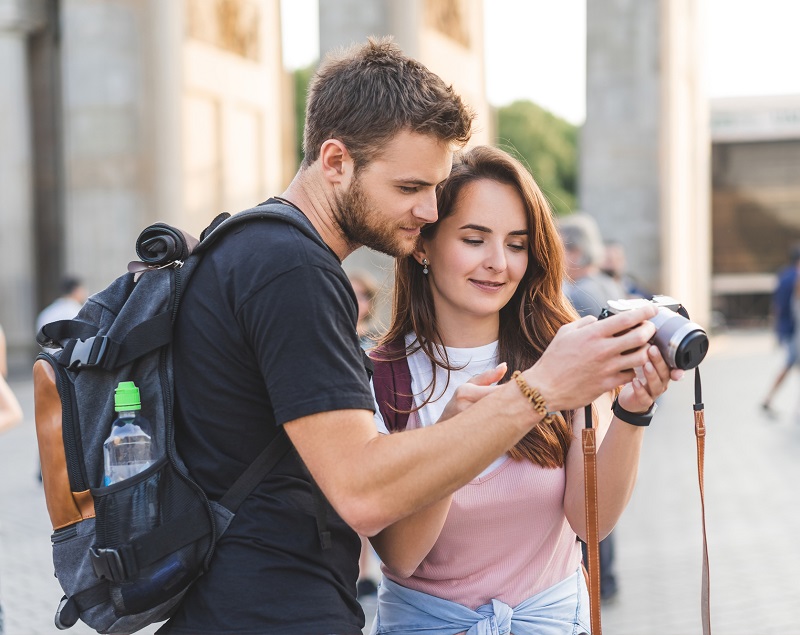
[(589, 357)]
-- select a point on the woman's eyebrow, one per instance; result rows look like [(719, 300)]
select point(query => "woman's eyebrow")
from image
[(486, 230)]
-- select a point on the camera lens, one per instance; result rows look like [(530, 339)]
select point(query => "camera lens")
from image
[(683, 344), (691, 350)]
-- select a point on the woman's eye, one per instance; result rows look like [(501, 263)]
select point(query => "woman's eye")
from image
[(517, 247), (473, 241)]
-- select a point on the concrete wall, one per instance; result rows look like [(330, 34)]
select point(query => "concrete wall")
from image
[(644, 156), (171, 111)]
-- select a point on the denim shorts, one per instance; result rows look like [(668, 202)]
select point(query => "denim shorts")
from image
[(563, 609)]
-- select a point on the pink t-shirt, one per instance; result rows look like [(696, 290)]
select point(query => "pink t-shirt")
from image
[(505, 538)]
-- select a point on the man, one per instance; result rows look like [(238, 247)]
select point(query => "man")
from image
[(586, 285), (65, 306), (783, 298), (266, 337)]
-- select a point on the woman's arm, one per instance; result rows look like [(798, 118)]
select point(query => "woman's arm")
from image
[(619, 449), (403, 545)]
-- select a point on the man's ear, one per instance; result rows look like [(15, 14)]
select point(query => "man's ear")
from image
[(335, 162)]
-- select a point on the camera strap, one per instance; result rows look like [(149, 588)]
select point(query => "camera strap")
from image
[(592, 524)]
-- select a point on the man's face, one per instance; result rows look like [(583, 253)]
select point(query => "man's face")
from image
[(390, 198)]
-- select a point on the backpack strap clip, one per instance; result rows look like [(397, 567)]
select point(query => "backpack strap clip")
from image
[(83, 353), (108, 564)]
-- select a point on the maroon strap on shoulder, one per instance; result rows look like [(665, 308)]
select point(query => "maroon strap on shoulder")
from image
[(392, 383)]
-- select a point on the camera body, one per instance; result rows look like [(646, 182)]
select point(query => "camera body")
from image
[(683, 343)]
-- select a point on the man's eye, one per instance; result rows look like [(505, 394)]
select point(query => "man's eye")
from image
[(408, 189)]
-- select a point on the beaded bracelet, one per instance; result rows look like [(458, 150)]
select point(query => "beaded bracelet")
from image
[(535, 397)]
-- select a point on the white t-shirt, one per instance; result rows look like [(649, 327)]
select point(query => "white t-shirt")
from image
[(473, 360)]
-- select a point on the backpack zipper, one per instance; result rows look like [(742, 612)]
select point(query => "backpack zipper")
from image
[(70, 432)]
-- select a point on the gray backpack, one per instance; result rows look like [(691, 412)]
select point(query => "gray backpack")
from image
[(126, 554)]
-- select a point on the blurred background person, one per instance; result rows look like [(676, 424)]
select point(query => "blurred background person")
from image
[(586, 286), (615, 265), (366, 289), (10, 411), (784, 311), (66, 306)]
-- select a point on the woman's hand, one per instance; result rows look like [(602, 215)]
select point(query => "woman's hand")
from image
[(473, 390), (638, 396)]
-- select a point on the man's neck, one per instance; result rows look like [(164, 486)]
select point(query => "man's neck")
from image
[(317, 203)]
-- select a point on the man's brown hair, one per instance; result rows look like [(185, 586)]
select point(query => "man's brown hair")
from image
[(365, 95)]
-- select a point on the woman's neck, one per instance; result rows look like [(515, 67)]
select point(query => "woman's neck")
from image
[(465, 331)]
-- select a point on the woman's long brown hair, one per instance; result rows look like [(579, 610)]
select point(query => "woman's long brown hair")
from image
[(530, 319)]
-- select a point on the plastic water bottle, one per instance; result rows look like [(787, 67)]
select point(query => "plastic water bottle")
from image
[(130, 448)]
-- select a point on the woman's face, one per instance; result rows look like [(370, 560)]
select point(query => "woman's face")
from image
[(479, 253)]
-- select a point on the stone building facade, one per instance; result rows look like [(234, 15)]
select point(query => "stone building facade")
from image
[(644, 153), (119, 113)]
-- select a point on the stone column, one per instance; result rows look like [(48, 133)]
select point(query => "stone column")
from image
[(18, 18)]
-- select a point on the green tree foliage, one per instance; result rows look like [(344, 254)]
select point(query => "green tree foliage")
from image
[(302, 76), (547, 145)]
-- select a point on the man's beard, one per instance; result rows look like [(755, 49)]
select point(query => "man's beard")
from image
[(362, 224)]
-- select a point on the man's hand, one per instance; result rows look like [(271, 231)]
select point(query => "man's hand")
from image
[(473, 390), (589, 357)]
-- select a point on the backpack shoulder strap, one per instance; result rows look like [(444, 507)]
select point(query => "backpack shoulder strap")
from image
[(392, 383), (271, 209)]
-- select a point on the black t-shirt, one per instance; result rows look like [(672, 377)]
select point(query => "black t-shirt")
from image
[(265, 335)]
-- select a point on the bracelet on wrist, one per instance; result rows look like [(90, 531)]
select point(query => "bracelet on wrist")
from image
[(640, 419), (535, 397)]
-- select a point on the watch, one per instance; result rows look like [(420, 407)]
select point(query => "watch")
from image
[(634, 418)]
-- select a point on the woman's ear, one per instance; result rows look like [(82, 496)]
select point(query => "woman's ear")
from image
[(335, 162), (419, 253)]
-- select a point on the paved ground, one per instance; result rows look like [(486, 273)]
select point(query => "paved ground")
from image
[(752, 472)]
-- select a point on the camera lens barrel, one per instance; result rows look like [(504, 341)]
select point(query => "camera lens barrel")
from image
[(682, 343)]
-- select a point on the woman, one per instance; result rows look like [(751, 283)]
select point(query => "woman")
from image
[(484, 286)]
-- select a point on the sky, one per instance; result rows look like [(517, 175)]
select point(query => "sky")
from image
[(752, 47)]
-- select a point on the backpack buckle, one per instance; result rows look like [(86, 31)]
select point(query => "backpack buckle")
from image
[(108, 564), (87, 352)]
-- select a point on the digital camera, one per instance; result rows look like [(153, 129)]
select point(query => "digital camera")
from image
[(683, 343)]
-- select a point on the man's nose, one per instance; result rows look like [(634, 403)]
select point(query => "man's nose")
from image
[(425, 209)]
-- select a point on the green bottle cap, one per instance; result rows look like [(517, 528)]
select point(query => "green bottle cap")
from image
[(126, 397)]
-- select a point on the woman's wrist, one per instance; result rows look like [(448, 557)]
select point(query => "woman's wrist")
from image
[(641, 419)]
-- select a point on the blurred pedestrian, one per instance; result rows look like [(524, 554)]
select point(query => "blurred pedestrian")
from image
[(366, 289), (589, 290), (586, 286), (615, 265), (484, 286), (66, 306), (10, 411), (784, 321)]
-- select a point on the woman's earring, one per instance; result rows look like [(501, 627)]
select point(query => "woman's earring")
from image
[(425, 266)]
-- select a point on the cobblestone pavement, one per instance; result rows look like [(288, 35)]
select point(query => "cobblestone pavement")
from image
[(753, 510)]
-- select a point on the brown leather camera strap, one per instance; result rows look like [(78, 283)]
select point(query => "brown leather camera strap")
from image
[(592, 523), (700, 435)]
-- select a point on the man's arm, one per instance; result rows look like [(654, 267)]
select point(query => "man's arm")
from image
[(375, 480)]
